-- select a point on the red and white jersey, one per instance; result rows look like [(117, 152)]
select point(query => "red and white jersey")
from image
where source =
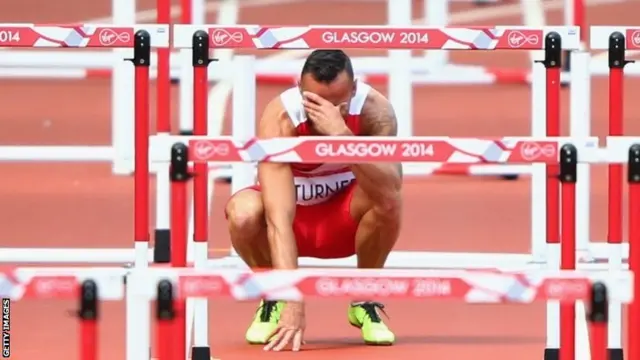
[(317, 183)]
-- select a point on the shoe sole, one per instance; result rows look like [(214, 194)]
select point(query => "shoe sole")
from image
[(373, 343)]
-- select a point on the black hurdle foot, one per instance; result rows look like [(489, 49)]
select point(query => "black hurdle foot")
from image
[(162, 246), (551, 354), (615, 354), (200, 353)]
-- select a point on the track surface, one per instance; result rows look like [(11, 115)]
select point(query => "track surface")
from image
[(82, 205)]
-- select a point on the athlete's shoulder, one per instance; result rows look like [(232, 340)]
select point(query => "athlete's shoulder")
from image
[(378, 116), (275, 121)]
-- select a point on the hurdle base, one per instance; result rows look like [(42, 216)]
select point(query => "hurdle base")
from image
[(615, 354), (551, 354), (162, 246), (200, 353)]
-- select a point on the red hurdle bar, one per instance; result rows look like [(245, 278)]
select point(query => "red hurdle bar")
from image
[(163, 81)]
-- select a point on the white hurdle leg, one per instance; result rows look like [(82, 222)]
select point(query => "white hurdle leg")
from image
[(122, 94), (138, 332), (400, 82), (198, 255), (244, 118), (162, 232), (138, 321), (198, 12), (541, 251), (580, 127), (538, 171), (185, 94), (436, 13)]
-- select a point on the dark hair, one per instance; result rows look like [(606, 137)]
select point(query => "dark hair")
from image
[(326, 65)]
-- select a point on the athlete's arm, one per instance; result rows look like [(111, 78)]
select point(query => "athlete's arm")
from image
[(278, 190), (381, 181)]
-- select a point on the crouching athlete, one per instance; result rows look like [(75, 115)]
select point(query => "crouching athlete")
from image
[(319, 210)]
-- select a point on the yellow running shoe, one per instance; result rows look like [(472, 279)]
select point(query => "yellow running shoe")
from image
[(366, 316), (265, 322)]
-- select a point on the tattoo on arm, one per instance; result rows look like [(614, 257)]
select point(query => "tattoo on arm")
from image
[(380, 118)]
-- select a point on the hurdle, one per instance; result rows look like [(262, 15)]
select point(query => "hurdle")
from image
[(244, 119), (184, 37), (400, 94), (41, 63), (91, 287), (136, 42), (433, 68), (459, 150)]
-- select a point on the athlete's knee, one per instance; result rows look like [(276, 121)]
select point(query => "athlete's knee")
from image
[(245, 212), (388, 207)]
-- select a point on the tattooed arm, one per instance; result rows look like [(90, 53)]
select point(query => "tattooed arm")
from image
[(380, 181)]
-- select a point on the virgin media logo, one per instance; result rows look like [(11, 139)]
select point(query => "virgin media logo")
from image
[(111, 37), (532, 151), (207, 150), (635, 39), (519, 39), (222, 37)]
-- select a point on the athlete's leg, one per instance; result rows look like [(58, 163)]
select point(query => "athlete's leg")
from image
[(248, 231), (378, 228), (377, 233), (248, 228)]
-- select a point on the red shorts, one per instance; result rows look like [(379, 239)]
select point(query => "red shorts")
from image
[(326, 230)]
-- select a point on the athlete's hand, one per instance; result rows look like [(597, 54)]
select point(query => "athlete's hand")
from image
[(327, 118), (290, 328)]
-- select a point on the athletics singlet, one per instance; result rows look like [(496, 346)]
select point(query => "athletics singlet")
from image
[(317, 183)]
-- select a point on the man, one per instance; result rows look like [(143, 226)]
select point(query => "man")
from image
[(319, 210)]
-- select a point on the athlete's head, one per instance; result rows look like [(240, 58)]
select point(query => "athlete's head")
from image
[(328, 73)]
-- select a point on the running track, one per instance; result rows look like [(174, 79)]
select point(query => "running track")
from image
[(83, 205)]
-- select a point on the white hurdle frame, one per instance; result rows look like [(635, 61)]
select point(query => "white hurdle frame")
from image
[(120, 152), (541, 254), (124, 84)]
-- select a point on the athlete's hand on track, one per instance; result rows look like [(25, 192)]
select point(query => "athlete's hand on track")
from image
[(327, 118), (290, 328)]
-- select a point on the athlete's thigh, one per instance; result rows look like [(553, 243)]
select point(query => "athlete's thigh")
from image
[(327, 230)]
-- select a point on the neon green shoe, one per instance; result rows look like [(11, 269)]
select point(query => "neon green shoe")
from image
[(366, 316), (265, 322)]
